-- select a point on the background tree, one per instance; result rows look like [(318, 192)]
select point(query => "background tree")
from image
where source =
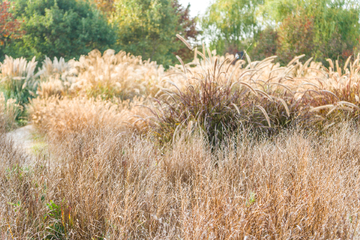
[(62, 28), (9, 27), (188, 30), (148, 28), (318, 28), (231, 25), (295, 37), (106, 6), (265, 45)]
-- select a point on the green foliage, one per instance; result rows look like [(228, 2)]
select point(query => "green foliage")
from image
[(320, 29), (231, 24), (295, 37), (20, 89), (57, 228), (9, 27), (265, 45), (147, 28), (252, 199), (17, 86), (188, 30), (62, 28), (105, 6)]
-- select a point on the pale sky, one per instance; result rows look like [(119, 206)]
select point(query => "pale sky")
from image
[(197, 6)]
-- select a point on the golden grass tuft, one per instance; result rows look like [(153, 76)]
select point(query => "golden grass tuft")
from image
[(8, 112), (116, 75), (67, 116)]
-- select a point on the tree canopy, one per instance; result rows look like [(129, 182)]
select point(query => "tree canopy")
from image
[(147, 28), (230, 24), (62, 28), (68, 28), (9, 27), (318, 28)]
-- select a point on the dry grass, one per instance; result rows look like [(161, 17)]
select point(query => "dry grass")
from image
[(55, 77), (18, 68), (58, 118), (103, 176), (107, 75), (120, 186), (115, 75), (9, 110), (307, 95)]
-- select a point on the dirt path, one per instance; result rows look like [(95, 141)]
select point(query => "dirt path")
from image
[(23, 139)]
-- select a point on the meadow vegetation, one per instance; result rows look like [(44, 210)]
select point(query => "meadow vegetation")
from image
[(159, 137), (212, 149)]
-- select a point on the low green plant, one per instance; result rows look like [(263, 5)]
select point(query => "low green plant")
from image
[(57, 228), (39, 147)]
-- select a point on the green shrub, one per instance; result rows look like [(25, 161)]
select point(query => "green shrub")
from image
[(60, 28)]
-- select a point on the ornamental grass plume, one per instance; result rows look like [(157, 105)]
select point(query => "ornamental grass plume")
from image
[(59, 118), (118, 75), (17, 79)]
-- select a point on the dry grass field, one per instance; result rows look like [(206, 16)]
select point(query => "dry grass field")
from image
[(213, 149)]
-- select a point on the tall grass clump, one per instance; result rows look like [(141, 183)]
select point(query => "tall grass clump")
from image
[(217, 98), (106, 75), (55, 77), (2, 114), (73, 116), (9, 111), (219, 95), (330, 95), (17, 79), (344, 84), (118, 75)]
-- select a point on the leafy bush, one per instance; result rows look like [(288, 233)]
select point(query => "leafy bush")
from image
[(292, 29), (319, 28), (9, 28), (231, 24)]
